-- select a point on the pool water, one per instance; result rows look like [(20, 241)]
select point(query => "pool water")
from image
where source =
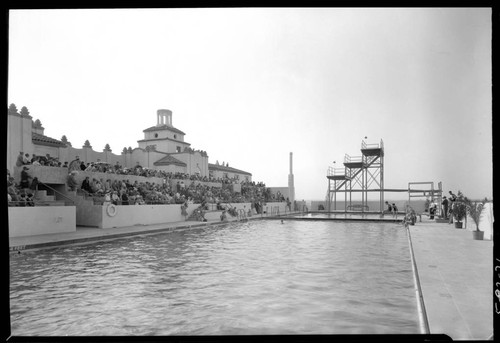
[(351, 215), (259, 277)]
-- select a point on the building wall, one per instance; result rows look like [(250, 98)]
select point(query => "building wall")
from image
[(165, 145), (164, 134), (31, 221), (18, 138), (196, 162)]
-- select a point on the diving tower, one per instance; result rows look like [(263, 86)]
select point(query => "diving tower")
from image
[(365, 174), (361, 174)]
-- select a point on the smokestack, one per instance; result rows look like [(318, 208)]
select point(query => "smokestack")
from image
[(291, 187)]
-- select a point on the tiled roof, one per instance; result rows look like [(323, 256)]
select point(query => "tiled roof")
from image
[(164, 127), (226, 169), (167, 160), (39, 139)]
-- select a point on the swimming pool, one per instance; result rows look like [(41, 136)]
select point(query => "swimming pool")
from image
[(258, 277)]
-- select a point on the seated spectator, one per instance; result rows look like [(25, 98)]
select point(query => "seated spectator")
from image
[(124, 197), (115, 198), (139, 200), (86, 186), (25, 178), (12, 191), (97, 187), (107, 198), (36, 162)]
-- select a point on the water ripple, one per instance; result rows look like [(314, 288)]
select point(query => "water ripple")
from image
[(245, 278)]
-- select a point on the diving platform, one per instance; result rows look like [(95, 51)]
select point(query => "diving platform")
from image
[(338, 174), (354, 162), (372, 149)]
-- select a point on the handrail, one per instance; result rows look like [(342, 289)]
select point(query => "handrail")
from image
[(371, 145), (55, 191), (354, 159), (335, 171)]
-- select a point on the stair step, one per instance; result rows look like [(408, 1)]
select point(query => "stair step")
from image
[(71, 193), (41, 193), (49, 203)]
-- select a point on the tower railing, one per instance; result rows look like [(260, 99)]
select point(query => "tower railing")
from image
[(364, 145), (335, 171), (352, 159)]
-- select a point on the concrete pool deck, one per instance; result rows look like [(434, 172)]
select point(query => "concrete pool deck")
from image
[(455, 271), (456, 280)]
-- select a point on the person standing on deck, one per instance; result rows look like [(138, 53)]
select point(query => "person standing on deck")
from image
[(389, 208), (453, 197), (445, 207), (394, 210)]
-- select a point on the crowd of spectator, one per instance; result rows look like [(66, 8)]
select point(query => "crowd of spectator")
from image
[(20, 194), (128, 193), (137, 193)]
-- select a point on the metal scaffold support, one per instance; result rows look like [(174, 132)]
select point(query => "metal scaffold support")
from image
[(361, 174), (364, 174), (430, 193)]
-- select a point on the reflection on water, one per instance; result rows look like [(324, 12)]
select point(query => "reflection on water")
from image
[(259, 277)]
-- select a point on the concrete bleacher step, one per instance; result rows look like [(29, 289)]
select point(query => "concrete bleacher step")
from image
[(78, 199), (49, 203), (41, 194), (71, 193)]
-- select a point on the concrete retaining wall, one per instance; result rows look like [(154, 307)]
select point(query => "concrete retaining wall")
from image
[(31, 221), (129, 215)]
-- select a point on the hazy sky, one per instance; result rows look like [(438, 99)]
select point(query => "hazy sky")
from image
[(251, 85)]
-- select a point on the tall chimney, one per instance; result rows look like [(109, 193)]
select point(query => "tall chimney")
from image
[(291, 187)]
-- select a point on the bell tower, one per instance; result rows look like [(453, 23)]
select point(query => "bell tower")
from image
[(164, 117)]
